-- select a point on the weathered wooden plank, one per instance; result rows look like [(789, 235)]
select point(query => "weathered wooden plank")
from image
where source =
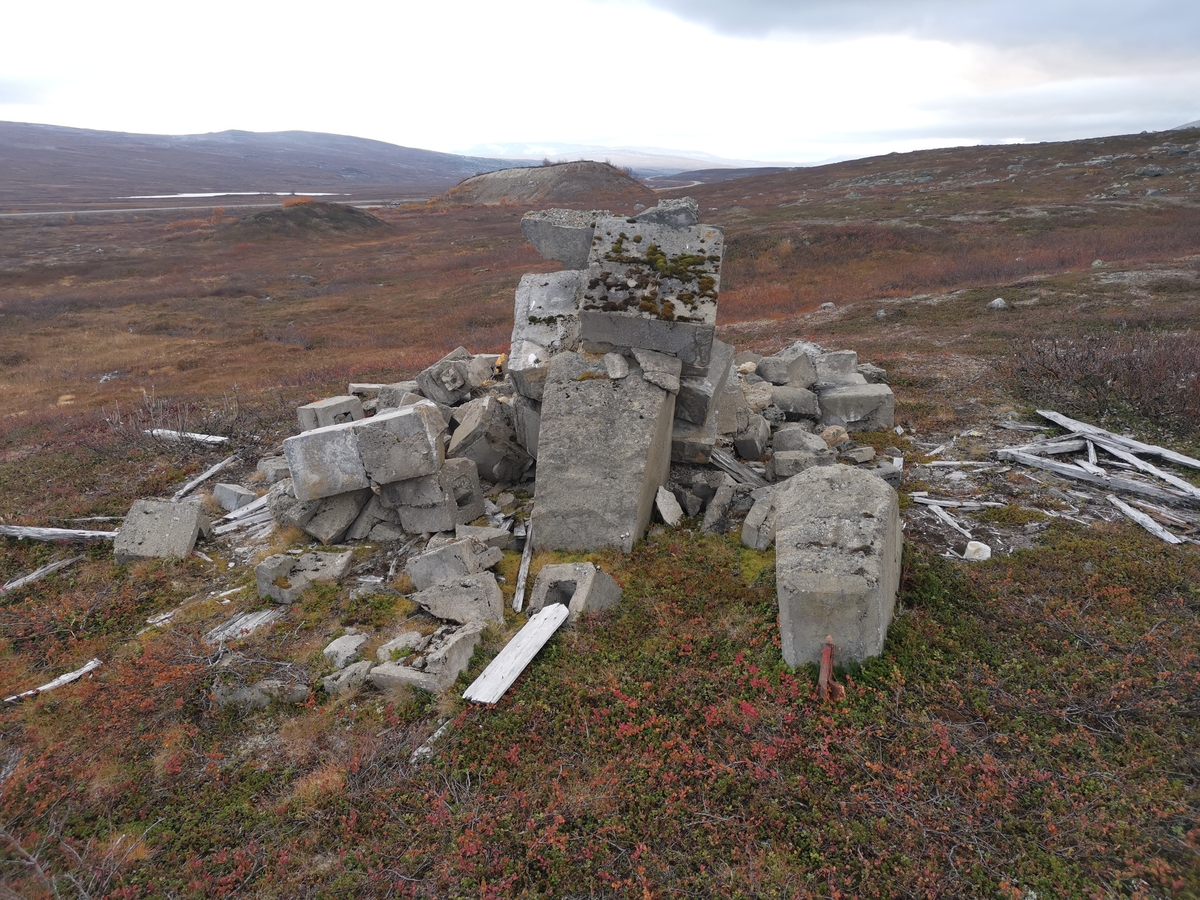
[(949, 520), (38, 574), (1129, 443), (1112, 482), (57, 682), (510, 662), (248, 510), (1145, 521), (167, 434), (201, 478), (1067, 444), (249, 522), (1143, 466), (523, 571), (55, 534), (724, 461)]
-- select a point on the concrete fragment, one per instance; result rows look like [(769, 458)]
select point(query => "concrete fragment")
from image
[(977, 551), (242, 626), (258, 695), (400, 444), (460, 479), (859, 454), (802, 371), (873, 374), (472, 598), (758, 396), (391, 398), (834, 435), (448, 655), (347, 680), (836, 365), (563, 235), (616, 365), (400, 646), (526, 417), (489, 537), (733, 413), (453, 561), (795, 436), (344, 650), (284, 577), (838, 542), (159, 529), (274, 468), (774, 370), (796, 403), (581, 586), (693, 443), (448, 380), (889, 473), (660, 369), (786, 463), (485, 435), (677, 213), (385, 532), (367, 390), (758, 530), (747, 356), (527, 366), (668, 507), (336, 514), (699, 394), (546, 310), (325, 462), (603, 451), (718, 508), (374, 513), (232, 496), (330, 411), (858, 407), (751, 443), (286, 509)]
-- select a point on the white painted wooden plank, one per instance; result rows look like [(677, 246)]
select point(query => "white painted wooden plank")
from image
[(1091, 467), (510, 662), (523, 571), (1091, 449), (1145, 521), (249, 522), (55, 534), (1066, 444), (949, 520), (1111, 482), (201, 478), (242, 511), (169, 435), (1135, 446), (57, 682), (38, 574)]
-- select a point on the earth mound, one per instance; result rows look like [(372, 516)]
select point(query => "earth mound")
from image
[(303, 216), (559, 184)]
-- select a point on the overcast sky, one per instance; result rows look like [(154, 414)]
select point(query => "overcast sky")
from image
[(771, 80)]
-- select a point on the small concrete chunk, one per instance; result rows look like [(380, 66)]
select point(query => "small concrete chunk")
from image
[(889, 473), (787, 463), (758, 531), (679, 213), (838, 542), (374, 513), (397, 395), (774, 370), (660, 369), (232, 496), (274, 468), (499, 538), (581, 586), (347, 680), (330, 411), (796, 403), (401, 646), (448, 654), (286, 509), (668, 507), (751, 443), (693, 443), (485, 435), (836, 366), (344, 650), (448, 380), (859, 454), (456, 560), (873, 374), (159, 529), (858, 407), (758, 396), (472, 598), (802, 372), (284, 577), (733, 413), (798, 436), (336, 514)]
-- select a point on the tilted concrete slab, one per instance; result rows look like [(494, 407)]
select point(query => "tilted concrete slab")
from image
[(159, 529), (564, 235), (546, 310), (698, 394), (604, 449), (486, 436)]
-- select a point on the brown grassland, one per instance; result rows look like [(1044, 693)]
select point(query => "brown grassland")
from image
[(1030, 730)]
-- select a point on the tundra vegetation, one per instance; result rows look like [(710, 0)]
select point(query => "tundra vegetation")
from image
[(1030, 729)]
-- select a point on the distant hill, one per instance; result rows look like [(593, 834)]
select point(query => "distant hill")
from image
[(560, 184), (710, 176), (47, 165)]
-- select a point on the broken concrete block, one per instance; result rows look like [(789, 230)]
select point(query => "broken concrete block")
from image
[(836, 365), (159, 529), (733, 413), (838, 542), (873, 374), (658, 368), (786, 463), (797, 436), (835, 436), (453, 561), (385, 532), (489, 537), (699, 394), (859, 454), (374, 513), (718, 507), (336, 514), (472, 598), (758, 531), (274, 468), (325, 462), (448, 380), (401, 646), (284, 577), (653, 287), (563, 235), (616, 365), (796, 403), (485, 435), (546, 310), (747, 356), (526, 415), (758, 396), (858, 407), (460, 479), (347, 680), (527, 366), (232, 496), (286, 509), (448, 654), (802, 371), (774, 370), (751, 444), (693, 443), (259, 695), (668, 507), (678, 213), (403, 443), (397, 394), (603, 451), (330, 411), (581, 586), (889, 473), (365, 390), (344, 650)]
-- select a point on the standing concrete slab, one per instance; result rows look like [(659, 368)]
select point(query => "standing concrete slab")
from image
[(653, 287), (603, 452), (159, 529), (564, 235), (733, 413), (698, 394), (546, 310), (330, 411), (838, 542)]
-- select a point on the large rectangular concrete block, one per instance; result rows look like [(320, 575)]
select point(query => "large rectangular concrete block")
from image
[(604, 449), (330, 411), (159, 529), (438, 502), (654, 287), (564, 235), (325, 462), (733, 412), (858, 407), (449, 380), (546, 310), (698, 394), (838, 542)]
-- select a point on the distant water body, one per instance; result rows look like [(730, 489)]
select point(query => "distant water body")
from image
[(229, 194)]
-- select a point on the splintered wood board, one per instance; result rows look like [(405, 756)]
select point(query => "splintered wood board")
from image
[(510, 662)]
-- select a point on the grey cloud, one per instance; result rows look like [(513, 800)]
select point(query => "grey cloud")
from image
[(1116, 30)]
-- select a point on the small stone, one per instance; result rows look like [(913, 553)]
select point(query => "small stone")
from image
[(834, 435), (668, 507), (998, 303), (977, 551), (342, 651), (859, 454)]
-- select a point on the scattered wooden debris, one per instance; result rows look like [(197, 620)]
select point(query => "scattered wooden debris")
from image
[(1111, 482), (950, 520), (1096, 433), (57, 682), (55, 534), (1145, 521), (167, 434), (523, 572), (426, 749), (724, 461), (201, 478), (38, 574), (510, 662)]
